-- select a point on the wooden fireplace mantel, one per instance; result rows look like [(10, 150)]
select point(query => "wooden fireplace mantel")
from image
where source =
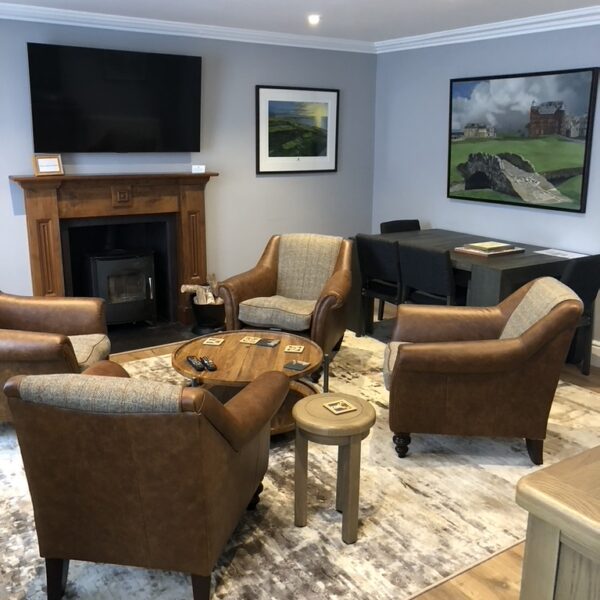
[(50, 199)]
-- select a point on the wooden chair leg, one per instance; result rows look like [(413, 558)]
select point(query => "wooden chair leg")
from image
[(401, 442), (201, 587), (57, 570), (535, 449)]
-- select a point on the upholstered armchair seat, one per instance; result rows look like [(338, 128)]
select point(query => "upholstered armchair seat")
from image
[(139, 473), (480, 371), (300, 284), (49, 335)]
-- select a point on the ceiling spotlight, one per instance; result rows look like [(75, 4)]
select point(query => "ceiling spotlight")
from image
[(314, 19)]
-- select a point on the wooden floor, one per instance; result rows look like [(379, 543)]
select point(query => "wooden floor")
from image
[(499, 577)]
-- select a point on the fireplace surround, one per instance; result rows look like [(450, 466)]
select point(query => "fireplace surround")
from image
[(55, 203)]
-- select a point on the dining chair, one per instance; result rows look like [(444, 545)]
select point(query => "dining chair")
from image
[(583, 277), (428, 276), (380, 275), (399, 225)]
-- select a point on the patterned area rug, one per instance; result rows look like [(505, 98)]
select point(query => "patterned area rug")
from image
[(447, 506)]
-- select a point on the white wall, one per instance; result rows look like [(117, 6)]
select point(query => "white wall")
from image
[(242, 209), (411, 139)]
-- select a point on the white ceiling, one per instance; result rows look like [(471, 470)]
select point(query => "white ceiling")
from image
[(369, 21)]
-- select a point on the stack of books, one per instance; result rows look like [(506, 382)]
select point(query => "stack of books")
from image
[(489, 248)]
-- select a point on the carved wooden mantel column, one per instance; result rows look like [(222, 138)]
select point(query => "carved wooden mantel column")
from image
[(50, 199)]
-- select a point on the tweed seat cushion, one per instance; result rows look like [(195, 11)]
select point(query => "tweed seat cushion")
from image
[(541, 298), (101, 394), (277, 311), (390, 354), (90, 348)]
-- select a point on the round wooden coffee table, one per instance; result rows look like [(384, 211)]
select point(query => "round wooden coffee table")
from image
[(238, 364)]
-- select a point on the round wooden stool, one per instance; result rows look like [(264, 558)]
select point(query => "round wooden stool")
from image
[(345, 429)]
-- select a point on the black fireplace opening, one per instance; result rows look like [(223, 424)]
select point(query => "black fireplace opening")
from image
[(131, 262)]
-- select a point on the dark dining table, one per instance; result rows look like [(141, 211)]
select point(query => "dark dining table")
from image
[(489, 279)]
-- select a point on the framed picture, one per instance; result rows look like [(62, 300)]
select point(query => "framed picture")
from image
[(523, 140), (47, 164), (296, 129)]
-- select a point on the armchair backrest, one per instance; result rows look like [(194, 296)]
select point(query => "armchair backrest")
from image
[(306, 261), (543, 295)]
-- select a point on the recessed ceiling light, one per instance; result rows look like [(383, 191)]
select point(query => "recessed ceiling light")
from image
[(314, 19)]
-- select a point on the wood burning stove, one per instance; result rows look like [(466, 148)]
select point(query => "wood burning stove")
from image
[(125, 279)]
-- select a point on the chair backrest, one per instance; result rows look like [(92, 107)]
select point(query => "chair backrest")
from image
[(545, 294), (427, 270), (583, 277), (377, 258), (400, 225), (306, 261)]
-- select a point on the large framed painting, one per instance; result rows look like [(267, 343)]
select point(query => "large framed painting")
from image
[(522, 139), (296, 129)]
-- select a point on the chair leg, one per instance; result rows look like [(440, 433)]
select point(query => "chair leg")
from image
[(201, 587), (367, 307), (380, 309), (57, 570), (535, 449), (586, 359), (256, 498), (401, 442)]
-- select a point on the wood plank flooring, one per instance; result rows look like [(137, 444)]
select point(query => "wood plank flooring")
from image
[(499, 577)]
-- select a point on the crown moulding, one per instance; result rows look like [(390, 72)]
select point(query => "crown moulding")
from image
[(583, 17)]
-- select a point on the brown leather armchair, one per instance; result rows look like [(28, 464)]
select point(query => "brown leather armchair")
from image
[(480, 371), (139, 473), (300, 284), (49, 335)]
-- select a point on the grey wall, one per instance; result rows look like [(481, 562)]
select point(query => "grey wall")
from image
[(242, 209), (411, 139)]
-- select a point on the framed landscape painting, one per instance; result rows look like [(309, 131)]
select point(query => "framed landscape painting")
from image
[(522, 139), (296, 129)]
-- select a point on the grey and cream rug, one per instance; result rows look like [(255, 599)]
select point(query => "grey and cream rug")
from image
[(447, 506)]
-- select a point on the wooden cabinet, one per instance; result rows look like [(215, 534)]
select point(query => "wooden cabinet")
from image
[(51, 199), (562, 551)]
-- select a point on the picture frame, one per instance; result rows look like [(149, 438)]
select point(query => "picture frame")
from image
[(296, 129), (522, 139), (47, 164)]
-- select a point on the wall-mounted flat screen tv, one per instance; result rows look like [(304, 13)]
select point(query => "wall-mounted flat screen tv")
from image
[(94, 100)]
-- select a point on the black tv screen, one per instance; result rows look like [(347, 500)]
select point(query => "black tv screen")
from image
[(93, 100)]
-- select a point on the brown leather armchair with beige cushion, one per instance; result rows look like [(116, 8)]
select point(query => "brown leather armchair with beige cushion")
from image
[(300, 284), (140, 473), (480, 371), (49, 335)]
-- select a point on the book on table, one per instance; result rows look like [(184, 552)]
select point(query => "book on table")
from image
[(268, 342), (489, 246), (473, 251)]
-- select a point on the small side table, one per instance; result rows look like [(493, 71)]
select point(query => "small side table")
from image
[(317, 424), (562, 551)]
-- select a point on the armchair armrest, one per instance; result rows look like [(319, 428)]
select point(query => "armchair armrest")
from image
[(33, 346), (107, 368), (338, 287), (69, 316), (246, 413), (258, 281), (424, 323), (478, 356)]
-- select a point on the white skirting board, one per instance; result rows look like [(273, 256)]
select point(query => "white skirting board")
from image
[(596, 353)]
